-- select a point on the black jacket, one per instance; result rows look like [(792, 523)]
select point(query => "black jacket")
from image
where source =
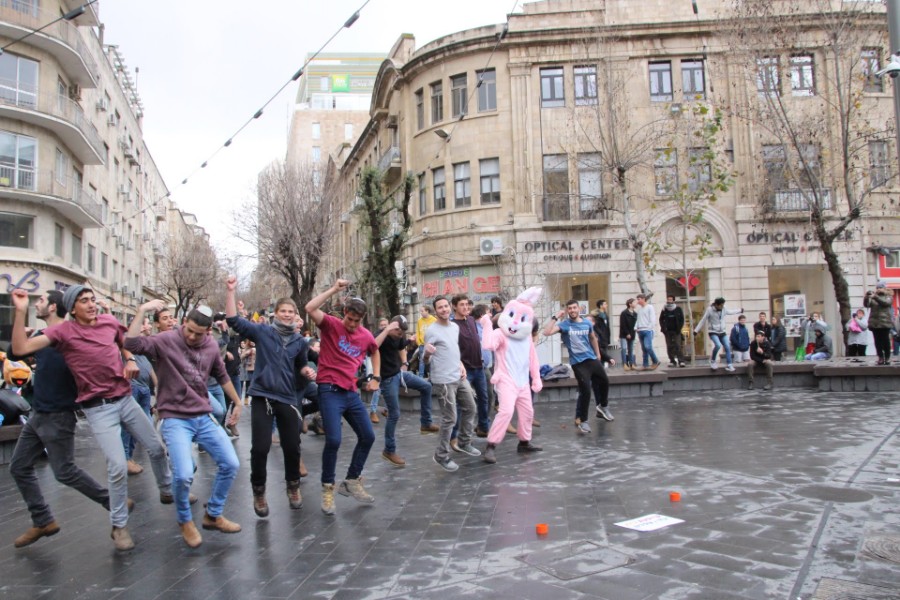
[(671, 320), (779, 338), (627, 321), (766, 348), (601, 329)]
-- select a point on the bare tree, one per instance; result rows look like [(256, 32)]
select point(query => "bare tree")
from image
[(819, 130), (190, 272), (292, 224)]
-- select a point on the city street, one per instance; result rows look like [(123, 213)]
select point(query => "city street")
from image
[(791, 494)]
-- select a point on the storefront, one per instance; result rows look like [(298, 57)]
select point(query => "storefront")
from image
[(479, 283), (33, 279)]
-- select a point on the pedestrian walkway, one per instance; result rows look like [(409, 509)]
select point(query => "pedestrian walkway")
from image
[(783, 495)]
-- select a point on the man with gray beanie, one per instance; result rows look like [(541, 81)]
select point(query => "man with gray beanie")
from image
[(92, 346)]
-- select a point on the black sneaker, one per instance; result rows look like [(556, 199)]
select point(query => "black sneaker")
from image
[(603, 413)]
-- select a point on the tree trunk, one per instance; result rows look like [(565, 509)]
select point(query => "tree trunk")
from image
[(637, 246), (839, 282)]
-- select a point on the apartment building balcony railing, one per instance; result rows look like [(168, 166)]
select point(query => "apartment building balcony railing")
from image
[(61, 39), (565, 209), (54, 112), (45, 188), (799, 200), (389, 163)]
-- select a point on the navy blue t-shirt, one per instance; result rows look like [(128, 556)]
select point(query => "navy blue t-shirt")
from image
[(54, 386)]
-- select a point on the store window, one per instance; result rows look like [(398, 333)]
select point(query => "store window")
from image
[(684, 286)]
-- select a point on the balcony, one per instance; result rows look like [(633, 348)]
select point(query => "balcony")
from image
[(62, 39), (56, 113), (42, 187), (389, 163), (564, 211), (798, 200)]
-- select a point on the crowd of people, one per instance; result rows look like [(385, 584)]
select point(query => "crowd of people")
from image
[(477, 362)]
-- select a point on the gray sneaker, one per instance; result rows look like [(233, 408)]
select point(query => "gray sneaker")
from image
[(470, 450), (354, 487), (603, 413), (730, 368), (447, 465), (584, 428)]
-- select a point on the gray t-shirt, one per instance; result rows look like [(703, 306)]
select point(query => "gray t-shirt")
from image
[(445, 360)]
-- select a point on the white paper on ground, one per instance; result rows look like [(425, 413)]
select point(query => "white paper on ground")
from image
[(649, 522)]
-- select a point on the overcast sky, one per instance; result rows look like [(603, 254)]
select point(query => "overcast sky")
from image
[(206, 66)]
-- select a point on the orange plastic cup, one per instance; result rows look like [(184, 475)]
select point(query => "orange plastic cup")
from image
[(541, 528), (675, 496)]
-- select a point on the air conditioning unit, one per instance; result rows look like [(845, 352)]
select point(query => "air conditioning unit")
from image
[(112, 120), (490, 246), (115, 287), (102, 106), (120, 241), (75, 91), (124, 288), (147, 237), (123, 191), (129, 246)]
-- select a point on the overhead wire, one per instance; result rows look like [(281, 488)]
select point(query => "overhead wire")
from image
[(72, 14)]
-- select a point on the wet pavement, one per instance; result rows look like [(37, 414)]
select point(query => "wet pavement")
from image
[(792, 494)]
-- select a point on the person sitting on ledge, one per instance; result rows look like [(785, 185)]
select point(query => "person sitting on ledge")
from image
[(824, 348)]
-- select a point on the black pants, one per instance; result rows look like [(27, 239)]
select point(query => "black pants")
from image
[(856, 350), (287, 419), (882, 337), (590, 374), (674, 339)]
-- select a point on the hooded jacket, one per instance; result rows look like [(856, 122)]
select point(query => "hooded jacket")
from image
[(879, 305), (715, 319)]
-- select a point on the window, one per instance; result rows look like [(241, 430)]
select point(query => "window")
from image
[(15, 230), (62, 94), (348, 131), (423, 196), (590, 186), (462, 185), (59, 233), (104, 211), (459, 95), (18, 156), (699, 169), (115, 269), (774, 167), (316, 154), (61, 172), (487, 90), (803, 77), (316, 131), (440, 191), (556, 187), (871, 64), (552, 93), (810, 167), (585, 85), (104, 259), (420, 109), (665, 171), (437, 102), (768, 80), (91, 258), (489, 170), (693, 80), (18, 80), (661, 81), (76, 250), (879, 168)]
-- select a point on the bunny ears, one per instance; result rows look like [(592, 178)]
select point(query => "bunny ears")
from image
[(530, 296)]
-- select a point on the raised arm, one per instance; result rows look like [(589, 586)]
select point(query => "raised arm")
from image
[(23, 345), (314, 306), (230, 302), (134, 330), (551, 327)]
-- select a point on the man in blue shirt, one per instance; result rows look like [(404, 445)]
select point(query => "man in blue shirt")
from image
[(581, 341)]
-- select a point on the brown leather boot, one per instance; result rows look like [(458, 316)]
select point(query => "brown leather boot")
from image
[(219, 523), (35, 533), (260, 506), (121, 538), (293, 494), (190, 534)]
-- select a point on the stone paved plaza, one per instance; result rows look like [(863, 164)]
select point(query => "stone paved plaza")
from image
[(794, 494)]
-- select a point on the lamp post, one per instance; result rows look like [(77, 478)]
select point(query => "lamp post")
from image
[(893, 15)]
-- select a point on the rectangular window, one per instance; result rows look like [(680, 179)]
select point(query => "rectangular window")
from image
[(440, 189), (665, 171), (768, 79), (590, 186), (661, 81), (18, 159), (61, 171), (348, 131), (489, 171), (556, 187), (810, 167), (774, 167), (59, 233), (879, 167), (18, 80), (104, 211), (423, 196), (462, 185), (316, 154), (15, 230), (699, 169), (420, 109), (459, 101), (871, 64), (104, 260), (316, 131), (91, 258), (803, 76), (585, 85), (487, 90), (76, 250), (693, 80), (552, 88), (437, 102)]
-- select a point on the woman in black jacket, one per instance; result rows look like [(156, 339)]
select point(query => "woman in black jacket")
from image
[(778, 339), (627, 321)]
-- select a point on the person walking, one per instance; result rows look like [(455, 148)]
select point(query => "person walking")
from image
[(646, 321), (879, 302), (627, 320), (858, 337), (714, 319), (671, 322)]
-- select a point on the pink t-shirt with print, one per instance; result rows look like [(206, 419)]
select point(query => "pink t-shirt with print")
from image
[(342, 352)]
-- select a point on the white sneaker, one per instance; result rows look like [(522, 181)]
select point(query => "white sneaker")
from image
[(713, 365), (730, 368)]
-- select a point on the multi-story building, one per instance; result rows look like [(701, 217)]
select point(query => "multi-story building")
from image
[(499, 126), (80, 195)]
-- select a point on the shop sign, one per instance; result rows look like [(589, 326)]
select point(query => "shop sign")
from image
[(576, 250), (28, 282), (478, 283), (792, 241)]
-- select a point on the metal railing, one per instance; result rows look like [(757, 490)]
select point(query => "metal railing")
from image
[(565, 207), (46, 183), (392, 154), (800, 200)]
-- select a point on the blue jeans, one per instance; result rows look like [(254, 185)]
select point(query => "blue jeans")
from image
[(478, 383), (374, 404), (720, 340), (335, 403), (627, 351), (141, 394), (390, 391), (646, 338), (818, 356), (217, 400), (423, 386), (179, 434), (106, 422), (420, 352)]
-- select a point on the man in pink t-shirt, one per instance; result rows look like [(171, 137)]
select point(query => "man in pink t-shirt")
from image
[(91, 345), (345, 344)]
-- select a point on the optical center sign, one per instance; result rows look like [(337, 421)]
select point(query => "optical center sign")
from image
[(575, 250)]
